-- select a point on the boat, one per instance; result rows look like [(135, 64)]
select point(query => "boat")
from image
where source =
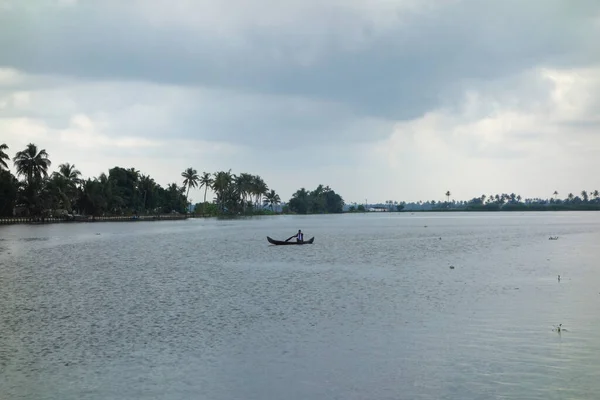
[(283, 242)]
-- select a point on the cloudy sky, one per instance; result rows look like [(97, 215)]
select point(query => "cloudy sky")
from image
[(380, 99)]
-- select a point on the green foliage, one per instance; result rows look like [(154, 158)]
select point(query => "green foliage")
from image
[(206, 209), (9, 190), (319, 201)]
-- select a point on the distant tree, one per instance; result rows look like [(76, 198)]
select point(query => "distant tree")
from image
[(321, 200), (206, 181), (584, 195), (32, 164), (272, 199), (190, 179)]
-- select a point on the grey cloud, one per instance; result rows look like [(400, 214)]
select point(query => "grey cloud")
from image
[(399, 73), (159, 112)]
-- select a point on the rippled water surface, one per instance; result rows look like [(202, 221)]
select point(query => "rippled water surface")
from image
[(206, 309)]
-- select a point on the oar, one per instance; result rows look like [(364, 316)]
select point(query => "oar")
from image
[(290, 238)]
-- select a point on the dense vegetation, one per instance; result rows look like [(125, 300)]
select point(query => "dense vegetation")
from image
[(120, 192), (499, 202), (319, 201), (34, 191), (41, 193), (514, 202)]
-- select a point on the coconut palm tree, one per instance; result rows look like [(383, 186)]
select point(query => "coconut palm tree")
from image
[(259, 188), (584, 195), (190, 180), (555, 194), (70, 173), (3, 157), (66, 180), (57, 193), (244, 183), (32, 164), (206, 181), (448, 195), (272, 199), (221, 183)]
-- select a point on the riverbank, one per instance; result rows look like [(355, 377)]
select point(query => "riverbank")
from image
[(122, 218)]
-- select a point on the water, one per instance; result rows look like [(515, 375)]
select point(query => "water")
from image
[(206, 309)]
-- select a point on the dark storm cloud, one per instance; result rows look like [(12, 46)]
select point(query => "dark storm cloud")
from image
[(398, 73)]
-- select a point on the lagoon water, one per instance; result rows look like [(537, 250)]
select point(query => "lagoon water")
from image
[(207, 309)]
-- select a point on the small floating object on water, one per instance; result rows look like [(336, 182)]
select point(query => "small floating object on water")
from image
[(553, 238), (559, 278), (558, 328), (452, 267)]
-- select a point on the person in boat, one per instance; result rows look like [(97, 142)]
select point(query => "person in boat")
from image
[(299, 236)]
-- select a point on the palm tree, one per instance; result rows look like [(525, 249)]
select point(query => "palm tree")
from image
[(221, 184), (448, 195), (59, 192), (584, 194), (32, 164), (206, 181), (147, 186), (190, 180), (596, 194), (555, 194), (259, 188), (70, 173), (570, 196), (244, 186), (272, 199), (3, 157)]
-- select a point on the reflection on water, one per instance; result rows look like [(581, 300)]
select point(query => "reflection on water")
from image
[(208, 309)]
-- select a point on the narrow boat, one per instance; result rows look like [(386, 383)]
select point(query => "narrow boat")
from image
[(282, 242)]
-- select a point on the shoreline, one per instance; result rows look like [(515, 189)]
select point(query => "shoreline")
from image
[(44, 221), (181, 217)]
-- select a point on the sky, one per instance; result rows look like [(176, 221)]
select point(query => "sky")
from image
[(379, 99)]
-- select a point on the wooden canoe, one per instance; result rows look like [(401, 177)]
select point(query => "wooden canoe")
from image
[(293, 241)]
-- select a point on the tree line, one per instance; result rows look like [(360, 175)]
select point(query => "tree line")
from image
[(34, 191), (321, 200), (586, 200)]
